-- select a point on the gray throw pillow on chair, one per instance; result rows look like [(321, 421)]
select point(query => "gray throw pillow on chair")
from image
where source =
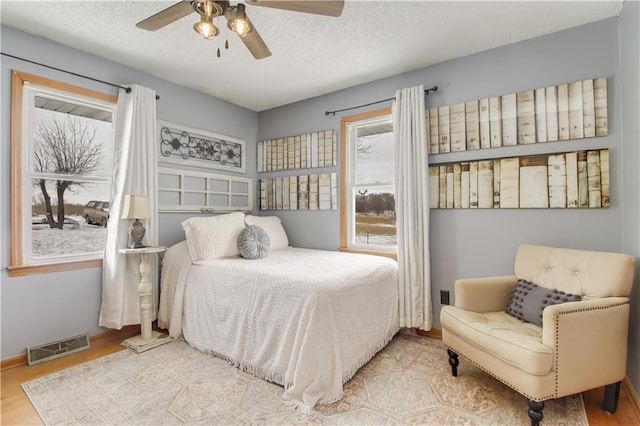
[(529, 300)]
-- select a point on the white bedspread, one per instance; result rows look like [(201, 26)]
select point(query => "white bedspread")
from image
[(306, 319)]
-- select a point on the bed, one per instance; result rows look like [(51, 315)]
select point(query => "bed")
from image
[(305, 319)]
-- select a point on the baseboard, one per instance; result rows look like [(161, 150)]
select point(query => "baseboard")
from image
[(633, 396), (15, 361), (436, 333), (127, 329), (21, 359)]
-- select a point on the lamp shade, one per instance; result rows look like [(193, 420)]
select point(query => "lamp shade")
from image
[(136, 207)]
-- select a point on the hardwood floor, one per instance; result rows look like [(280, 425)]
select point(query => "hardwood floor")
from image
[(17, 410), (626, 414)]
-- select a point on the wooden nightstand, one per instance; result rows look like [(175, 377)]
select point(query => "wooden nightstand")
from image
[(148, 339)]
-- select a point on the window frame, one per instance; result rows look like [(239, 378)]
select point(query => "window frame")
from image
[(19, 80), (347, 163)]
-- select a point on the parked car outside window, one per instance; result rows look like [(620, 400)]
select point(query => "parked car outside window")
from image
[(96, 213)]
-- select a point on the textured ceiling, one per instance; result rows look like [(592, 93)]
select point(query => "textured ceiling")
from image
[(311, 55)]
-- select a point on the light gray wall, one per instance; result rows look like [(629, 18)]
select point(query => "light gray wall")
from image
[(42, 308), (630, 107), (476, 243)]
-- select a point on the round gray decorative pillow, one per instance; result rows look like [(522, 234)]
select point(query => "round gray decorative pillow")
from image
[(253, 242)]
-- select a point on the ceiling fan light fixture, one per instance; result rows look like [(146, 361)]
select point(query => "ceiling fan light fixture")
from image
[(206, 28), (238, 22)]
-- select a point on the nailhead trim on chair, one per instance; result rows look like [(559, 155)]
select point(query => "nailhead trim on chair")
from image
[(515, 388), (556, 357), (557, 351)]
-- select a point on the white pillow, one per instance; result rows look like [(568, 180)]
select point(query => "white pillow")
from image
[(273, 226), (213, 237)]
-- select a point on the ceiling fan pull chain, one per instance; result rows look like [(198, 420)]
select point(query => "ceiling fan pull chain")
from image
[(218, 52), (226, 38)]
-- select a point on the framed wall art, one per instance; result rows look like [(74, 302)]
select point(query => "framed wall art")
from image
[(183, 145)]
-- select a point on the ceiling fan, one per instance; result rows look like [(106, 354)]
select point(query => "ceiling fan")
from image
[(237, 19)]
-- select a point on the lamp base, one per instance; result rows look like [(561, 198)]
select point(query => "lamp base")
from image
[(136, 232)]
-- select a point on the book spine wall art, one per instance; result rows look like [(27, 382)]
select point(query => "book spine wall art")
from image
[(311, 150), (561, 180), (567, 111), (304, 192)]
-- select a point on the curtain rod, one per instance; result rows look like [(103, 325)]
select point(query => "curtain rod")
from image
[(426, 92), (127, 89)]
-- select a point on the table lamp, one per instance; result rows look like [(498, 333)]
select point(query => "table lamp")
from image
[(136, 207)]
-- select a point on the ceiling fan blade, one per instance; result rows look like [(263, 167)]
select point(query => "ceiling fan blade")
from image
[(317, 7), (167, 16), (255, 44)]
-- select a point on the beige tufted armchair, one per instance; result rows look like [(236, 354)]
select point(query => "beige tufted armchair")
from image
[(581, 345)]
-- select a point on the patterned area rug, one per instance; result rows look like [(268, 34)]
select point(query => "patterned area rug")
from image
[(408, 382)]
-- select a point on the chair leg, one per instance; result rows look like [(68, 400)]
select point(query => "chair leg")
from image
[(535, 411), (453, 362), (611, 395)]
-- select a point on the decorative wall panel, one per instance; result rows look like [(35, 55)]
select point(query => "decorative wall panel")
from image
[(184, 145), (303, 192), (561, 180), (306, 151), (193, 191), (568, 111)]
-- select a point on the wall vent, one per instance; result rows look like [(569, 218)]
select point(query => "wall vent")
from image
[(52, 350)]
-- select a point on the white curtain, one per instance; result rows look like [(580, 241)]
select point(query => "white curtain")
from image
[(135, 173), (412, 208)]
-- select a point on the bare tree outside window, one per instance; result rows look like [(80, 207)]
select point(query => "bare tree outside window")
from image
[(62, 139), (71, 168), (65, 148), (374, 199), (364, 148), (367, 201)]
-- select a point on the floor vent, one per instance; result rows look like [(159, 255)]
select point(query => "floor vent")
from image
[(52, 350)]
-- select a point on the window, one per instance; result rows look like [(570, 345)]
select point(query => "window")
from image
[(62, 161), (368, 215)]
